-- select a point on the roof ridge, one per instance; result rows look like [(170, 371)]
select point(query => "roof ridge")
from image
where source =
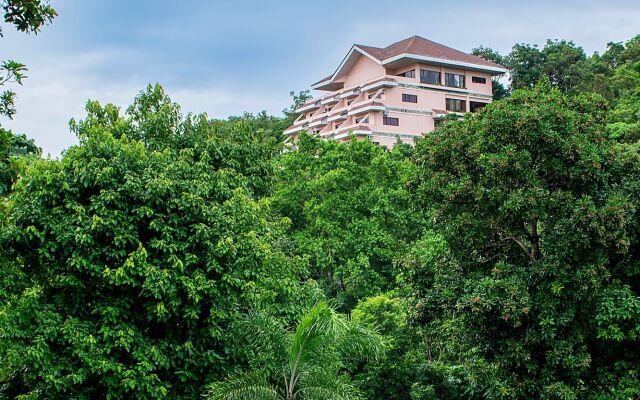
[(412, 39)]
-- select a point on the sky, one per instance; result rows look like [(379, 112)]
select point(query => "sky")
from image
[(227, 57)]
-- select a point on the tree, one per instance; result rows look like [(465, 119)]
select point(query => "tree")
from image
[(124, 263), (525, 65), (391, 377), (534, 292), (565, 64), (350, 213), (298, 100), (28, 16), (13, 150), (304, 364)]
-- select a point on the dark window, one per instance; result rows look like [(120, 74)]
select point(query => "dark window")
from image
[(432, 77), (478, 79), (476, 105), (454, 80), (456, 105), (390, 121), (409, 98), (409, 74)]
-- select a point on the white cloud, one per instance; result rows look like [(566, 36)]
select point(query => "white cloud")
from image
[(58, 88)]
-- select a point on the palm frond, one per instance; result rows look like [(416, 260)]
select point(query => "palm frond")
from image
[(324, 386), (264, 334), (318, 328), (361, 341), (246, 386)]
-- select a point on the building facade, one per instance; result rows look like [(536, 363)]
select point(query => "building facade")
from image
[(400, 91)]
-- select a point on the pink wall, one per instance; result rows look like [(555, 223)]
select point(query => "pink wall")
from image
[(363, 70)]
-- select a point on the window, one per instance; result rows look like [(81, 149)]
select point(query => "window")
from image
[(456, 105), (427, 76), (409, 74), (390, 121), (478, 79), (454, 80), (362, 120), (409, 98), (476, 105)]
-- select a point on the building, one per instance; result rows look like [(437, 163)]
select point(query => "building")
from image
[(402, 90)]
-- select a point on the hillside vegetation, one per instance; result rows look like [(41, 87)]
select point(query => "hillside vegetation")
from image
[(175, 256)]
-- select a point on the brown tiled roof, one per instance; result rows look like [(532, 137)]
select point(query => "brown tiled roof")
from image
[(424, 47), (376, 52)]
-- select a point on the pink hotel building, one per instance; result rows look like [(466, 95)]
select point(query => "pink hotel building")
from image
[(402, 90)]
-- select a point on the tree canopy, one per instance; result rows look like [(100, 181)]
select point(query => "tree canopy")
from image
[(538, 271), (129, 257)]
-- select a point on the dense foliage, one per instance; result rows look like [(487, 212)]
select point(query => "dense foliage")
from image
[(127, 260), (15, 150), (173, 256), (350, 213), (538, 211)]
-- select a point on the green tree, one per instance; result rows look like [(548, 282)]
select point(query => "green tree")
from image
[(298, 100), (525, 65), (14, 149), (124, 263), (565, 64), (306, 363), (392, 375), (350, 213), (27, 16), (538, 269)]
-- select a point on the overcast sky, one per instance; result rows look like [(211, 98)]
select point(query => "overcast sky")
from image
[(227, 57)]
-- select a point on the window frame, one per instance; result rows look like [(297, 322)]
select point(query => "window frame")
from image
[(476, 109), (386, 119), (426, 72), (462, 102), (479, 79), (450, 74), (411, 72), (406, 96)]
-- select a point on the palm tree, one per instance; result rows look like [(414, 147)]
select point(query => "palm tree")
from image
[(305, 364)]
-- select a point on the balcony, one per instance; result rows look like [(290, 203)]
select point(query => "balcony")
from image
[(370, 105), (309, 106), (380, 83), (330, 100), (300, 126), (350, 93), (320, 121), (339, 116)]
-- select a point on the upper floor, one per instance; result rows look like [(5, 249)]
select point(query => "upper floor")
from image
[(414, 76)]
